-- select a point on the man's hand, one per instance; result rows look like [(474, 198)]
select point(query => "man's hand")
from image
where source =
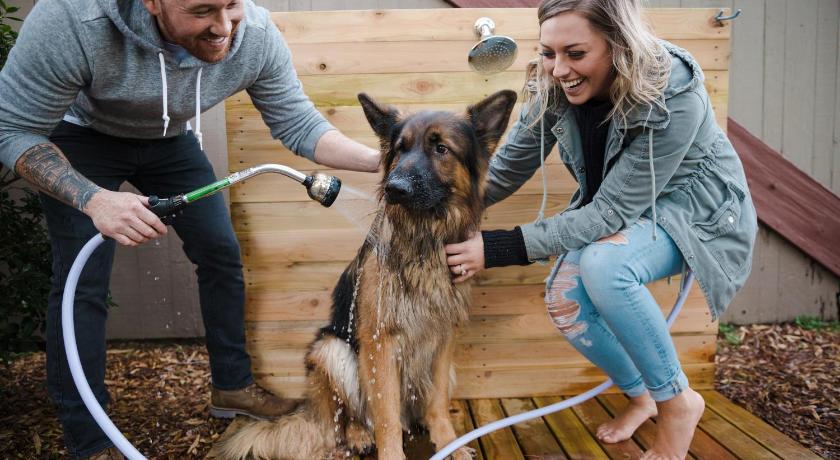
[(121, 216), (125, 217)]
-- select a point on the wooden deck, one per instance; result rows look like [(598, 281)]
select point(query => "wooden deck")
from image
[(726, 431)]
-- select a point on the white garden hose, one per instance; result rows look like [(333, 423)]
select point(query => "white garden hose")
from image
[(556, 407), (75, 363)]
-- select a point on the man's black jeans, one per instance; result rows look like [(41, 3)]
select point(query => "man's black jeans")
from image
[(161, 167)]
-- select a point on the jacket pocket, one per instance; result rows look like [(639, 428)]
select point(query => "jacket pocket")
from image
[(725, 219)]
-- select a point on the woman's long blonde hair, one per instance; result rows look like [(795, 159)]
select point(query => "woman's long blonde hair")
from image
[(641, 64)]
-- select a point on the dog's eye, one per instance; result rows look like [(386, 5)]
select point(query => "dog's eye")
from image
[(441, 149)]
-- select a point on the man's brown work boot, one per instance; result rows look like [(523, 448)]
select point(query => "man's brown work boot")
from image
[(253, 401), (111, 453)]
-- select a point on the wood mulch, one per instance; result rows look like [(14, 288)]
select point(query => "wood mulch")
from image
[(784, 374), (788, 376)]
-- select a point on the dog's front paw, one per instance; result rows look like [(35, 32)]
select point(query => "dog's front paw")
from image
[(359, 439), (463, 453)]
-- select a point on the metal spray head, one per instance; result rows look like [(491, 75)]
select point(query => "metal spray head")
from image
[(322, 188), (493, 53)]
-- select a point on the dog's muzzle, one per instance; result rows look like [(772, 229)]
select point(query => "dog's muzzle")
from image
[(399, 190)]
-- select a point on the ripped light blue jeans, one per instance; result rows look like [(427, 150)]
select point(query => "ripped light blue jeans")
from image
[(596, 297)]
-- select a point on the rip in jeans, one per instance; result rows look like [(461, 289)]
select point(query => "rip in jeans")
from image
[(620, 238), (564, 311)]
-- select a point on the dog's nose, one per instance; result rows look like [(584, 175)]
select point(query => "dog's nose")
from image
[(398, 190)]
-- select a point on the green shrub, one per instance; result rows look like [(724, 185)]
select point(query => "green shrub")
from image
[(25, 250), (25, 267), (7, 34)]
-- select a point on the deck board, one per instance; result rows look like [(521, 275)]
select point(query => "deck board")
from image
[(726, 431), (534, 437)]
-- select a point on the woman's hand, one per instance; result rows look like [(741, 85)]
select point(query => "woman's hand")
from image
[(465, 259)]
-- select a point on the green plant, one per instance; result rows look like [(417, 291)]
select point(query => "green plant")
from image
[(25, 265), (730, 333), (25, 250), (812, 323), (7, 34)]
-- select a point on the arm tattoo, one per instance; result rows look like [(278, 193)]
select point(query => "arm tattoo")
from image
[(46, 167)]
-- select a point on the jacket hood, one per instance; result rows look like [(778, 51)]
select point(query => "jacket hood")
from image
[(135, 22), (685, 74)]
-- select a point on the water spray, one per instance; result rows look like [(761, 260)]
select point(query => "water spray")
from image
[(320, 187)]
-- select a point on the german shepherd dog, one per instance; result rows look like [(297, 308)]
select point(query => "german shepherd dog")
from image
[(383, 364)]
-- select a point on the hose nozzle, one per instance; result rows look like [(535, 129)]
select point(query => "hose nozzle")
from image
[(322, 188)]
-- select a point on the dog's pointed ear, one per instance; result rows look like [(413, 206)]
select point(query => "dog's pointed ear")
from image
[(381, 118), (490, 117)]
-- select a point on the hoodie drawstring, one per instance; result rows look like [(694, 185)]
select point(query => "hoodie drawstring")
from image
[(165, 102), (198, 109), (165, 116)]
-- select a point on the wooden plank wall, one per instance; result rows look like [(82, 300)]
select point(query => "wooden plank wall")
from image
[(294, 250)]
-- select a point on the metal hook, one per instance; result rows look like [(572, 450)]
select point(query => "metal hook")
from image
[(719, 18)]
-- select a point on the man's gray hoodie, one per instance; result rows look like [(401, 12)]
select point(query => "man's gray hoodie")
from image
[(103, 64)]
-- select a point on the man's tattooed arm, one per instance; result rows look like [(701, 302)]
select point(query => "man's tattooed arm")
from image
[(46, 167)]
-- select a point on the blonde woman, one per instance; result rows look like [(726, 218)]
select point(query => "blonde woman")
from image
[(660, 190)]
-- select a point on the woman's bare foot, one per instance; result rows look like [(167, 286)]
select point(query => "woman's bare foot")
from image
[(678, 417), (625, 424)]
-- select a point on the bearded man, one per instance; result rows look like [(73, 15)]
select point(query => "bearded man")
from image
[(99, 92)]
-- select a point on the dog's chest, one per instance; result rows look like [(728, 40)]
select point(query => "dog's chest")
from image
[(419, 294)]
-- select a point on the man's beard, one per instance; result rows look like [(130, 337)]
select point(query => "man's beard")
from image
[(193, 46), (195, 49)]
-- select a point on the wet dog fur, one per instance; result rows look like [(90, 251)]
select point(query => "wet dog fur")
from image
[(383, 364)]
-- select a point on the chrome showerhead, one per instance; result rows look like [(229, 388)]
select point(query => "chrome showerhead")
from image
[(493, 53)]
